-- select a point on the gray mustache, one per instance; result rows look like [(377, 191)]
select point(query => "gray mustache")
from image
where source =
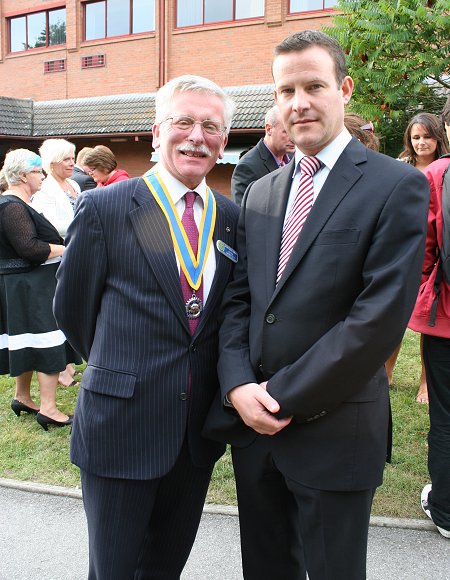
[(187, 148)]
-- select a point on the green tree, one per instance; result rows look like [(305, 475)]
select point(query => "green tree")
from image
[(399, 56)]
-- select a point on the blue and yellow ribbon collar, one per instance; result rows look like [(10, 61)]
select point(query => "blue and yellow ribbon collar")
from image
[(192, 266)]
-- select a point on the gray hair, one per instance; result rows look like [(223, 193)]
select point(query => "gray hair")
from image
[(54, 151), (273, 116), (185, 83), (19, 162)]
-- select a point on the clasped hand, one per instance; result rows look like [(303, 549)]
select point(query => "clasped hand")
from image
[(256, 408)]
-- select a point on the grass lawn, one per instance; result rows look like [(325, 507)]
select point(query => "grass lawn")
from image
[(28, 453)]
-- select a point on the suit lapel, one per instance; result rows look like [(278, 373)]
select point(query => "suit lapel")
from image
[(154, 238), (341, 179), (274, 211), (153, 234)]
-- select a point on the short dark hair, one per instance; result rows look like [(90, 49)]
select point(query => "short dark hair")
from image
[(101, 157), (308, 38)]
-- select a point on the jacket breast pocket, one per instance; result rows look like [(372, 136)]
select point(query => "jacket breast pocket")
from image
[(332, 237), (108, 382)]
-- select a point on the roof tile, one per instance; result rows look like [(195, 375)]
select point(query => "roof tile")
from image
[(115, 114)]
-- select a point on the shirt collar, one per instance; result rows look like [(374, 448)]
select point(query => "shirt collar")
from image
[(331, 153), (175, 188)]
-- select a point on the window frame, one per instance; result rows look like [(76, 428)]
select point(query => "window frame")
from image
[(323, 9), (25, 15), (130, 14), (203, 24)]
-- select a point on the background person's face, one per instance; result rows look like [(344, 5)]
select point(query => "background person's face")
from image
[(423, 143), (99, 175), (64, 168)]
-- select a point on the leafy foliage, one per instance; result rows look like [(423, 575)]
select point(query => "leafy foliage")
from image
[(399, 56)]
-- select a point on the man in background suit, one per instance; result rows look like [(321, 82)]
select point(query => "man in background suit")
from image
[(81, 172), (302, 349), (268, 154), (138, 299)]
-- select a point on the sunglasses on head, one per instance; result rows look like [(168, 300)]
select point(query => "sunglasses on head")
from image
[(368, 127)]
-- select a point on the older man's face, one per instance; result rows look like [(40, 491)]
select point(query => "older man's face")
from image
[(189, 155)]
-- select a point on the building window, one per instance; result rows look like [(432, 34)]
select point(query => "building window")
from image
[(118, 17), (37, 30), (195, 12), (310, 5)]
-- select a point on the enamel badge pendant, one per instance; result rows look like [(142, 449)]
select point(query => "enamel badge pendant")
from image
[(194, 307)]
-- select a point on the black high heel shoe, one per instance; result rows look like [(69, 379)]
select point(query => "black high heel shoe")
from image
[(18, 406), (45, 421)]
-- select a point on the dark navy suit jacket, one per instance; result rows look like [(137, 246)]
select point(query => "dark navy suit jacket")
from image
[(120, 304), (84, 180), (322, 335), (258, 162)]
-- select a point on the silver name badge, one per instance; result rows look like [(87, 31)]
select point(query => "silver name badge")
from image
[(227, 251)]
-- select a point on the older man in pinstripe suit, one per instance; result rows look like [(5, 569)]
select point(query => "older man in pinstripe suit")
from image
[(138, 291)]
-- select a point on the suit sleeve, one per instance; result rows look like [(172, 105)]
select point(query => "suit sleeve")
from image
[(243, 176), (81, 277), (347, 357), (234, 365)]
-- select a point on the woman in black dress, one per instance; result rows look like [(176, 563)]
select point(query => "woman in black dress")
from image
[(30, 251)]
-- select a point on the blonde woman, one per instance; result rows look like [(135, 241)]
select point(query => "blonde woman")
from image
[(56, 200), (58, 194)]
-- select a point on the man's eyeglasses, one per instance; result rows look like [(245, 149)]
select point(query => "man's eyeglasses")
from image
[(368, 127), (183, 123), (37, 171)]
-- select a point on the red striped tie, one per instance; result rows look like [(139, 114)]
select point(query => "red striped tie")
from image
[(299, 212)]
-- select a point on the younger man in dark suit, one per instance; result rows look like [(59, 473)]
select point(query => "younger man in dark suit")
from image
[(145, 267), (268, 154), (330, 253)]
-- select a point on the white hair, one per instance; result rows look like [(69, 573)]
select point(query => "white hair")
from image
[(185, 83), (54, 151), (273, 116), (19, 162)]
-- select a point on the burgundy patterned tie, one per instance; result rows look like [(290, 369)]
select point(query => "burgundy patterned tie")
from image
[(299, 211), (191, 230)]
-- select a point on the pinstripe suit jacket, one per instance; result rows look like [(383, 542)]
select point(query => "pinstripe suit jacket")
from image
[(119, 302)]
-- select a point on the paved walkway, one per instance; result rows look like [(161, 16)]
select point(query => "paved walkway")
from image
[(43, 537)]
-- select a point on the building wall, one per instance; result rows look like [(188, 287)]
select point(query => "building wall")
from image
[(231, 54)]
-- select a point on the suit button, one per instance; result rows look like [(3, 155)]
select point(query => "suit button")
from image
[(270, 318), (193, 348), (183, 396), (261, 368)]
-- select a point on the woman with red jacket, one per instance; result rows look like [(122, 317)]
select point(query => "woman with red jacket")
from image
[(102, 165), (431, 317)]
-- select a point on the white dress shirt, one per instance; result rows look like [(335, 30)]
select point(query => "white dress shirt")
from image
[(328, 157)]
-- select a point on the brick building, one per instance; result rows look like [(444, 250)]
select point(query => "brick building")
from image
[(87, 70)]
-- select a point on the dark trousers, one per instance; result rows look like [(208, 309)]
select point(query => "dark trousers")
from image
[(436, 353), (144, 530), (288, 529)]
